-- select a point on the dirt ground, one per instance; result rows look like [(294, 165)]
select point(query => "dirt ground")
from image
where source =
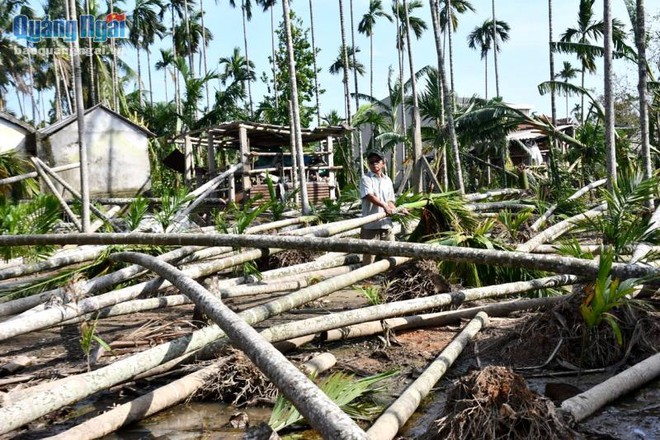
[(56, 353)]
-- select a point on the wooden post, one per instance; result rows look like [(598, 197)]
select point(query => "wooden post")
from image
[(232, 189), (244, 150), (332, 183), (188, 160), (210, 155)]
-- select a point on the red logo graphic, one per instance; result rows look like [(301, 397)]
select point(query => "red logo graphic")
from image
[(115, 16)]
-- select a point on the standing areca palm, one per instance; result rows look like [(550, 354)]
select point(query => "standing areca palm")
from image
[(418, 181), (567, 73), (449, 23), (447, 102), (481, 38), (238, 69), (145, 26), (366, 27), (610, 145), (246, 11), (580, 41)]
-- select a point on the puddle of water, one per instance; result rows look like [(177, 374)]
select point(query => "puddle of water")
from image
[(191, 421)]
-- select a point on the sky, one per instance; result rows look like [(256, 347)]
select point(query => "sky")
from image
[(523, 60)]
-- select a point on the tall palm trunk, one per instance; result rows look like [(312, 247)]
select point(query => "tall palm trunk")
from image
[(399, 44), (139, 72), (316, 73), (344, 57), (450, 31), (80, 111), (355, 73), (186, 20), (497, 73), (272, 48), (486, 77), (295, 109), (32, 100), (447, 101), (247, 57), (115, 78), (58, 92), (177, 91), (347, 93), (204, 57), (92, 83), (610, 146), (151, 87), (553, 105), (418, 181), (640, 43)]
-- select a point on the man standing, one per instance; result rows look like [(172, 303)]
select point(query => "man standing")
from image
[(377, 194)]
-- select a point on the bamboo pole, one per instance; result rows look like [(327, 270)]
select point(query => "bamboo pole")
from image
[(415, 250), (318, 409), (585, 404), (33, 174), (53, 190), (73, 192), (394, 417)]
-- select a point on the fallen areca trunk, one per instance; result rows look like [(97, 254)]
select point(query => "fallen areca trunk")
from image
[(318, 409), (141, 305), (585, 404), (394, 417), (437, 319), (577, 194), (382, 311), (557, 230), (164, 397), (33, 405), (55, 262), (526, 260), (84, 288), (493, 193)]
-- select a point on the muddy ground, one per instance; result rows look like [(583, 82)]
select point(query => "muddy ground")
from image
[(56, 353)]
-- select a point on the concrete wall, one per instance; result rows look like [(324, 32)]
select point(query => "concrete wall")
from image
[(118, 155), (12, 138)]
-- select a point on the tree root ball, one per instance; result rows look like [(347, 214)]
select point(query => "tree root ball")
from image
[(495, 403)]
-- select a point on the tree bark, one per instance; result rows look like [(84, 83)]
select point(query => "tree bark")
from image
[(382, 311), (585, 404), (317, 408), (295, 111), (414, 250), (394, 417), (80, 111), (608, 104), (437, 319)]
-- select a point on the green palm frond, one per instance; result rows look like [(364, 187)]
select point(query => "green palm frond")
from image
[(344, 390)]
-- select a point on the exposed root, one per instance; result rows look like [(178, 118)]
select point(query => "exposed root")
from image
[(416, 279), (239, 383), (495, 403), (290, 257), (596, 347)]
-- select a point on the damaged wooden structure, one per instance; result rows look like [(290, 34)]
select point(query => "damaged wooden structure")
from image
[(264, 151)]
